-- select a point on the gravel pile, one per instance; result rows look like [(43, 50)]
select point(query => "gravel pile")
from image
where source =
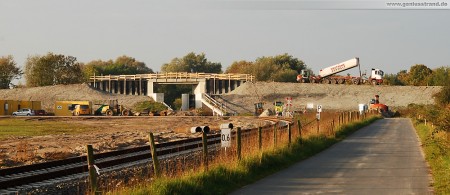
[(335, 97)]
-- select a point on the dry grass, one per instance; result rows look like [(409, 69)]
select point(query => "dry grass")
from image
[(177, 172)]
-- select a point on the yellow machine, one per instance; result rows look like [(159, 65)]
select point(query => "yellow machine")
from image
[(73, 108), (278, 108), (112, 109), (81, 110)]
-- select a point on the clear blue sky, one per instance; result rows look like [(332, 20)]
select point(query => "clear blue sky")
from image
[(157, 31)]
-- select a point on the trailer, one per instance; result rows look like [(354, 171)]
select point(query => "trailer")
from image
[(328, 75), (73, 108), (7, 107)]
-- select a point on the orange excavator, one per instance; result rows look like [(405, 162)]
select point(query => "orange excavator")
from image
[(382, 108), (375, 105)]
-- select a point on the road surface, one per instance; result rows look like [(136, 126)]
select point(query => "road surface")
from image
[(383, 158)]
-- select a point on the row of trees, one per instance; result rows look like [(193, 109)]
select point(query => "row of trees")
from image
[(53, 69), (280, 68), (8, 72), (420, 75)]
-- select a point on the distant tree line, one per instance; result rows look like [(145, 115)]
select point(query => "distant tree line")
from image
[(420, 75), (280, 68), (54, 69)]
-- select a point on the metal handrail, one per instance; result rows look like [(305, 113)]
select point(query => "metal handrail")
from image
[(177, 75), (215, 103)]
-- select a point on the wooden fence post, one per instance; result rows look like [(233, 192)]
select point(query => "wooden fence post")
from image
[(333, 127), (92, 171), (238, 143), (154, 156), (318, 126), (205, 150), (289, 133), (275, 135), (260, 138), (299, 124)]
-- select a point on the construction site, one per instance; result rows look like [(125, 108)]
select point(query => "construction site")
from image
[(222, 99)]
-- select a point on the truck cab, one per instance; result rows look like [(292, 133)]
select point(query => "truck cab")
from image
[(376, 77), (303, 77)]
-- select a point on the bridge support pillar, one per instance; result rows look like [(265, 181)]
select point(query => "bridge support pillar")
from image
[(199, 89), (150, 88)]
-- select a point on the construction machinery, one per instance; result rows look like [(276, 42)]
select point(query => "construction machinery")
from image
[(376, 105), (81, 110), (112, 109), (328, 75), (259, 108), (278, 108)]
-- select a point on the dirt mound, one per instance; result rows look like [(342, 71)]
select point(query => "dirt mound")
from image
[(336, 97), (83, 92)]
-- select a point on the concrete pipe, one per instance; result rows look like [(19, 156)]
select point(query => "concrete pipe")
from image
[(205, 129), (195, 129), (226, 126)]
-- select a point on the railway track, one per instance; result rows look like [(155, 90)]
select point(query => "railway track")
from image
[(13, 179)]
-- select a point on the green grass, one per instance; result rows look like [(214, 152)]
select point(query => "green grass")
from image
[(223, 179), (437, 154), (23, 127)]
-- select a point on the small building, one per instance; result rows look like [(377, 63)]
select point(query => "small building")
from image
[(65, 108), (7, 107)]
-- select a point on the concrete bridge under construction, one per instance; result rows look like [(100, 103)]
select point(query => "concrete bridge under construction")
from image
[(144, 84)]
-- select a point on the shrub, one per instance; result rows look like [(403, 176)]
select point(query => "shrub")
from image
[(442, 98), (150, 106)]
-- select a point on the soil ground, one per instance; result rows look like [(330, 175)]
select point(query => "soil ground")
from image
[(113, 133), (105, 134)]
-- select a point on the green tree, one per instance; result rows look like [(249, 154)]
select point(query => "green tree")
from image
[(418, 75), (285, 75), (278, 68), (403, 77), (242, 67), (52, 69), (192, 63), (8, 72), (123, 65), (442, 98), (392, 79), (440, 76), (288, 61)]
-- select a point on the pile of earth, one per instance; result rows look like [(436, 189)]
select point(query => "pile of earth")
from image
[(332, 97)]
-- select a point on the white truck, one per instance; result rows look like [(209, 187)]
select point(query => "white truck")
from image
[(328, 75)]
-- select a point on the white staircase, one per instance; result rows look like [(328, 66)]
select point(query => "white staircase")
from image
[(168, 107), (217, 107)]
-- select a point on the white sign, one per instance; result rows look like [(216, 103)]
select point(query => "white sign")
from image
[(225, 137), (319, 108), (310, 106), (59, 107)]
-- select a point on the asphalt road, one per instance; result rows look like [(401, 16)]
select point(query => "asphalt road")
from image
[(383, 158)]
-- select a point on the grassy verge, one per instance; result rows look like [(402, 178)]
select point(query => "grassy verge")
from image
[(437, 153), (23, 127), (222, 179)]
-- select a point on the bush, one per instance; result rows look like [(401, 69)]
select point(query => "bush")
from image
[(177, 104), (442, 98), (150, 106)]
